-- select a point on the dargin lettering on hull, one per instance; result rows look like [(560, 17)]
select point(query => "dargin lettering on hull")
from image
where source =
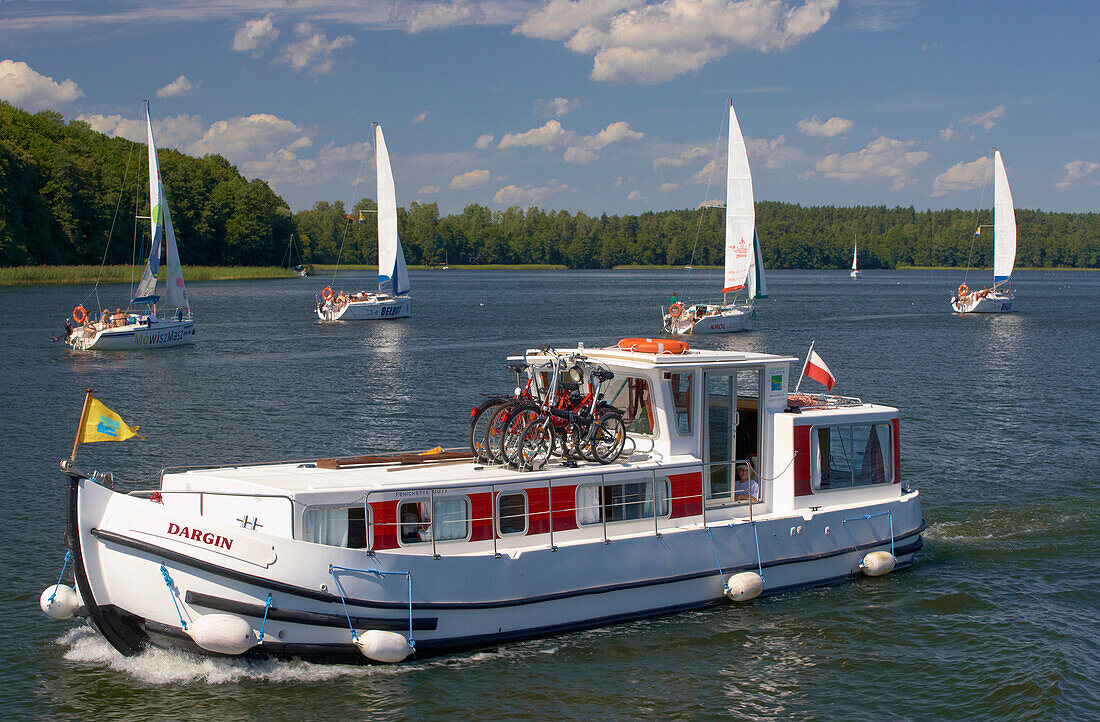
[(214, 540)]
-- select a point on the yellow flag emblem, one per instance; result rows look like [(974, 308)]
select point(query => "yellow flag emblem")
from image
[(101, 424)]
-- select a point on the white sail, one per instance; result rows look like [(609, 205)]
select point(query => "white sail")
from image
[(393, 276), (740, 212), (758, 283), (1004, 223), (855, 255), (148, 284)]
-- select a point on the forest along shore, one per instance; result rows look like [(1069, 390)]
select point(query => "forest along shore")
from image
[(42, 275)]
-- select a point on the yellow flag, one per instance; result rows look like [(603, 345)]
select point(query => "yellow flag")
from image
[(102, 424)]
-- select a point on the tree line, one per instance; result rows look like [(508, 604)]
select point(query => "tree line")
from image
[(60, 185)]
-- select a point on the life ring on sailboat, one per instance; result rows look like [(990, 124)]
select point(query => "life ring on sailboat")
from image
[(327, 293), (963, 290), (653, 345), (676, 309), (80, 314)]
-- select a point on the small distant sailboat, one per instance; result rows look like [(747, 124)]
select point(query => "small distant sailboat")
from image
[(744, 263), (139, 327), (391, 300), (855, 256), (999, 298)]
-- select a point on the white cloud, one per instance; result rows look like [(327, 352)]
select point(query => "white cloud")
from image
[(681, 159), (883, 158), (634, 195), (774, 153), (632, 41), (618, 132), (713, 172), (312, 51), (20, 85), (483, 141), (547, 136), (985, 120), (558, 107), (963, 176), (579, 155), (473, 179), (180, 131), (427, 190), (881, 15), (668, 187), (255, 35), (1079, 172), (948, 134), (420, 117), (527, 194), (824, 129), (618, 181), (179, 86), (438, 16)]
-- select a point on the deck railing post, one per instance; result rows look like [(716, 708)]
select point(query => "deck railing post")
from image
[(370, 524), (703, 492), (656, 525), (493, 518), (431, 521), (550, 510), (603, 512)]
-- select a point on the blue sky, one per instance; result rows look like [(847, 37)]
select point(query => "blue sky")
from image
[(596, 105)]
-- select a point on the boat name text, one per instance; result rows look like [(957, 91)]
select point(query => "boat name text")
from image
[(214, 540)]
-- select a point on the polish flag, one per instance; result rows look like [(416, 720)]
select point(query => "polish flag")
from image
[(819, 372)]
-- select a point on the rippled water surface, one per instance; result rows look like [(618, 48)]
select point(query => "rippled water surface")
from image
[(998, 619)]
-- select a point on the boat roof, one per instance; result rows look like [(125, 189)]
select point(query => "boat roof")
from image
[(693, 357)]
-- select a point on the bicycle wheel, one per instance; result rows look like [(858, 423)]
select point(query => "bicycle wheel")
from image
[(582, 444), (609, 439), (494, 431), (479, 420), (536, 443), (513, 429)]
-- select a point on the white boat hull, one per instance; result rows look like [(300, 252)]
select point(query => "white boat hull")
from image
[(120, 543), (373, 309), (160, 334), (735, 318), (856, 274), (993, 302)]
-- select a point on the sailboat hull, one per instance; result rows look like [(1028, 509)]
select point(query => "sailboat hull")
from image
[(729, 320), (993, 302), (374, 309), (161, 334), (856, 274)]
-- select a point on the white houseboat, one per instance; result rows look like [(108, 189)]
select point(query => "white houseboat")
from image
[(729, 488)]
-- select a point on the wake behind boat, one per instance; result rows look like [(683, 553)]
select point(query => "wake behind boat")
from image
[(391, 300), (744, 268), (728, 488), (139, 326), (999, 298)]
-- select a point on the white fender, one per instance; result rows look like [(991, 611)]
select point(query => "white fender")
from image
[(744, 586), (875, 564), (64, 603), (383, 646), (222, 633)]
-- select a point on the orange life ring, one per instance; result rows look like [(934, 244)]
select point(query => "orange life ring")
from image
[(676, 309), (653, 345), (963, 290), (327, 293), (80, 314)]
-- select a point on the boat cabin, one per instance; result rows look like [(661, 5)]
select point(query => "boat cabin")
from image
[(713, 436)]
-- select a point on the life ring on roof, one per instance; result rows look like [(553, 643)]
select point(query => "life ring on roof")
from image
[(80, 314), (653, 345), (676, 309), (963, 290), (327, 293)]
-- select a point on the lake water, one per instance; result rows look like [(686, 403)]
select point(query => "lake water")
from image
[(998, 618)]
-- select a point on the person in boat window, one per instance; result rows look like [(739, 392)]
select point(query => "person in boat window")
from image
[(746, 487), (413, 529)]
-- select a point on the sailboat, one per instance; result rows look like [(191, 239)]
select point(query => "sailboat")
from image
[(744, 268), (999, 298), (139, 326), (391, 300), (855, 255)]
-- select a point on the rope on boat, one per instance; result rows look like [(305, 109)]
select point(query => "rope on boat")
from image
[(721, 574), (855, 547), (264, 623), (172, 593), (378, 573), (68, 556)]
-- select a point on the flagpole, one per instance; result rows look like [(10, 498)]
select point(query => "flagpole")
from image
[(804, 365), (83, 418)]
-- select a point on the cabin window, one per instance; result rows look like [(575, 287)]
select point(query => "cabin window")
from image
[(853, 455), (680, 386), (628, 501), (449, 522), (512, 513), (338, 526), (631, 394)]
